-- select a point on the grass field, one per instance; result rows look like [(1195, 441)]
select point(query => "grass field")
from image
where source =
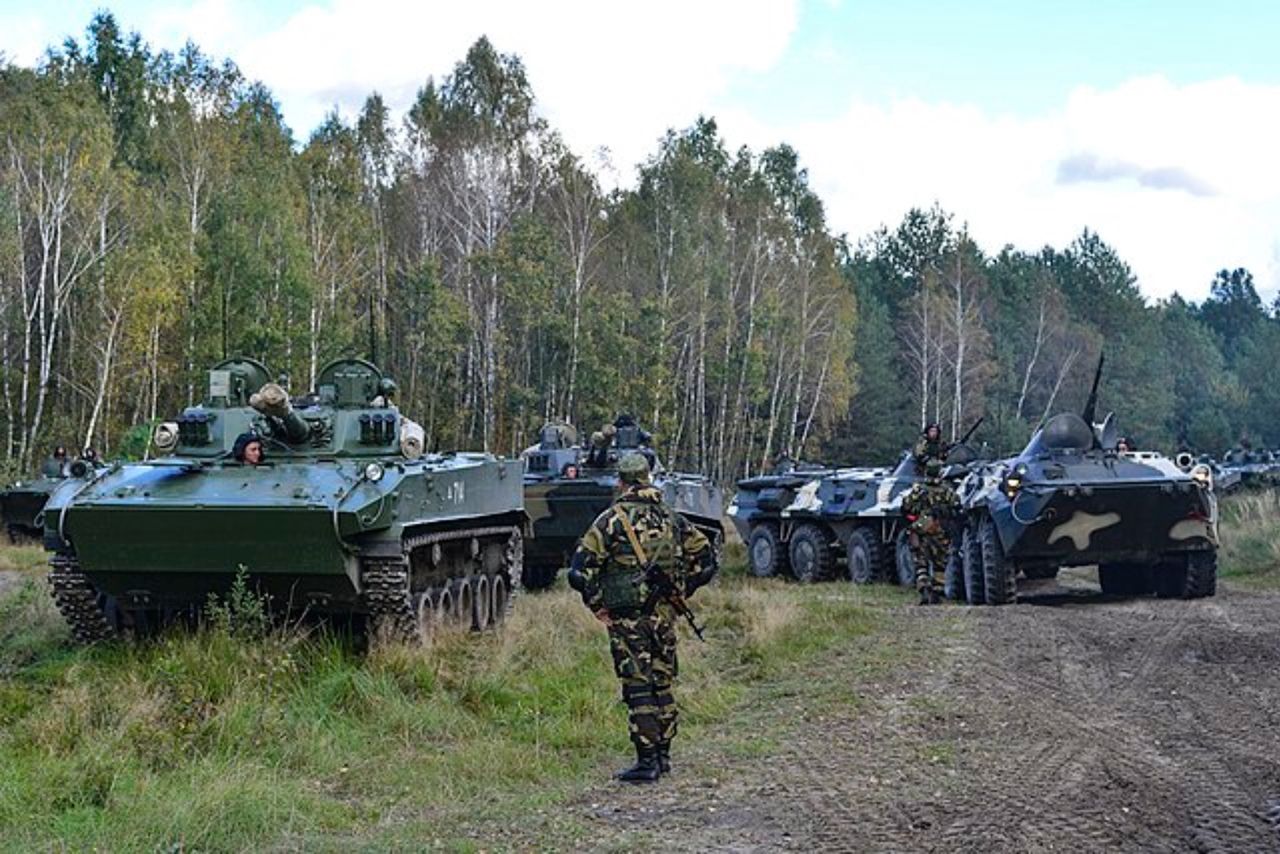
[(225, 740), (216, 741)]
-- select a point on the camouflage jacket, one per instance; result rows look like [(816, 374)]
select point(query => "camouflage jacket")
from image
[(930, 506), (926, 450), (665, 537)]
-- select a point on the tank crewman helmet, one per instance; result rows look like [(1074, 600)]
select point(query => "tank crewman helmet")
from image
[(243, 441), (633, 468)]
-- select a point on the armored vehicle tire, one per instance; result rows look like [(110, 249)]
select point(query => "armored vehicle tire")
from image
[(1192, 575), (811, 557), (953, 576), (971, 567), (999, 575), (865, 554), (1124, 579), (904, 561), (766, 556)]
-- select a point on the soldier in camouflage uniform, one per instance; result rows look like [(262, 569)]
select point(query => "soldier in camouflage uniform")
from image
[(930, 446), (930, 507), (608, 569)]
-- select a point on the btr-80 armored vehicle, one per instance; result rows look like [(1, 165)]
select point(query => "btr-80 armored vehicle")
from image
[(1071, 498), (804, 520), (566, 485), (344, 515)]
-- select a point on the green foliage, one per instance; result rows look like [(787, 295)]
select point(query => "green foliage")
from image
[(225, 741)]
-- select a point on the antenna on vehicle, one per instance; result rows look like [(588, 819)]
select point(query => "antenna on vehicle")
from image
[(1090, 408)]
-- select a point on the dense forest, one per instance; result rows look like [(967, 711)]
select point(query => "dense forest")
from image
[(157, 215)]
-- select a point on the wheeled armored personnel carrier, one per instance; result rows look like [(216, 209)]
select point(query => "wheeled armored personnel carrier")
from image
[(815, 523), (1072, 499), (567, 485), (345, 515)]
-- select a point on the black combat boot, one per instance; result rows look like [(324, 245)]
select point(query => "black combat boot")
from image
[(664, 757), (646, 769), (924, 597), (935, 598)]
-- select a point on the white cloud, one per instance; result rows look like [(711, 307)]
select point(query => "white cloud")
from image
[(1183, 179), (1180, 179), (604, 75)]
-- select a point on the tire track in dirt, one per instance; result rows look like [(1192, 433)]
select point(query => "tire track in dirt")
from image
[(1085, 724)]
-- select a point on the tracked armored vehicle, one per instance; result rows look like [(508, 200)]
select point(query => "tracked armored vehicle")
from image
[(567, 484), (345, 515), (817, 523), (1072, 499), (20, 506)]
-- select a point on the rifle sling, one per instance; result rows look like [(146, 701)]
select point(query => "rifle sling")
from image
[(632, 538)]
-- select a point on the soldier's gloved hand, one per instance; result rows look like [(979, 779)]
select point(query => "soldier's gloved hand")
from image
[(708, 569)]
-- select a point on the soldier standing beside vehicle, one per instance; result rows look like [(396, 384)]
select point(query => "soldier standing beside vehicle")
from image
[(930, 508), (636, 536), (930, 446)]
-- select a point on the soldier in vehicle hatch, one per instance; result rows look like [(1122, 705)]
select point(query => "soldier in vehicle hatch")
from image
[(625, 560), (930, 446), (930, 508), (56, 464), (248, 449)]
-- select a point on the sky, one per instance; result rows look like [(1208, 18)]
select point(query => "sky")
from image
[(1154, 124)]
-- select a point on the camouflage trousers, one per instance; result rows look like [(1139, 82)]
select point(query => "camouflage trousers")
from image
[(644, 658), (929, 552)]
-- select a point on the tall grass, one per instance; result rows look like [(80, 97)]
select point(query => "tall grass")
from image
[(1249, 529), (217, 741)]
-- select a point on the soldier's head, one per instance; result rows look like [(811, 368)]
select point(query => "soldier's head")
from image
[(932, 432), (933, 469), (60, 452), (633, 469), (248, 449), (387, 388)]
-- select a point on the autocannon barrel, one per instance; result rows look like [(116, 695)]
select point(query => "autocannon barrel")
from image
[(272, 400)]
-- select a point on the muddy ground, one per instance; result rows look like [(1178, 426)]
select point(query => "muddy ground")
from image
[(1068, 722)]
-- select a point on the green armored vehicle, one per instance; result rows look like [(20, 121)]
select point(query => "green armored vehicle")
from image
[(326, 502), (566, 485), (20, 506)]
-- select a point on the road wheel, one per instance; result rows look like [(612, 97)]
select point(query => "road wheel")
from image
[(501, 598), (811, 557), (482, 603), (905, 561), (1202, 575), (766, 556), (953, 578), (1000, 585), (1125, 579), (971, 566), (463, 600), (865, 555)]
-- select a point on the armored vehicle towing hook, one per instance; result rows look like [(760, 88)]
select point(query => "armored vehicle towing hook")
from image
[(1071, 499), (345, 516)]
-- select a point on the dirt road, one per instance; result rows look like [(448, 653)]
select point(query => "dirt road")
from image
[(1065, 723)]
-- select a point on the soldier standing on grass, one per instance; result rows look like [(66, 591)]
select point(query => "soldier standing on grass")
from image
[(930, 508), (609, 570)]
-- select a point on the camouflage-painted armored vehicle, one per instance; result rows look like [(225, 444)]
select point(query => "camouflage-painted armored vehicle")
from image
[(567, 484), (1071, 499), (815, 523), (1250, 468), (344, 516)]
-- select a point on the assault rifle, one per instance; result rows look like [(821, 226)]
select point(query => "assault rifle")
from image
[(971, 431), (663, 589)]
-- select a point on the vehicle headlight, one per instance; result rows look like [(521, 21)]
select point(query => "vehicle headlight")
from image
[(1202, 475), (165, 437), (373, 472)]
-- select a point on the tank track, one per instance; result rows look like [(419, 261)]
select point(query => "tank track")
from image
[(386, 581), (77, 600)]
